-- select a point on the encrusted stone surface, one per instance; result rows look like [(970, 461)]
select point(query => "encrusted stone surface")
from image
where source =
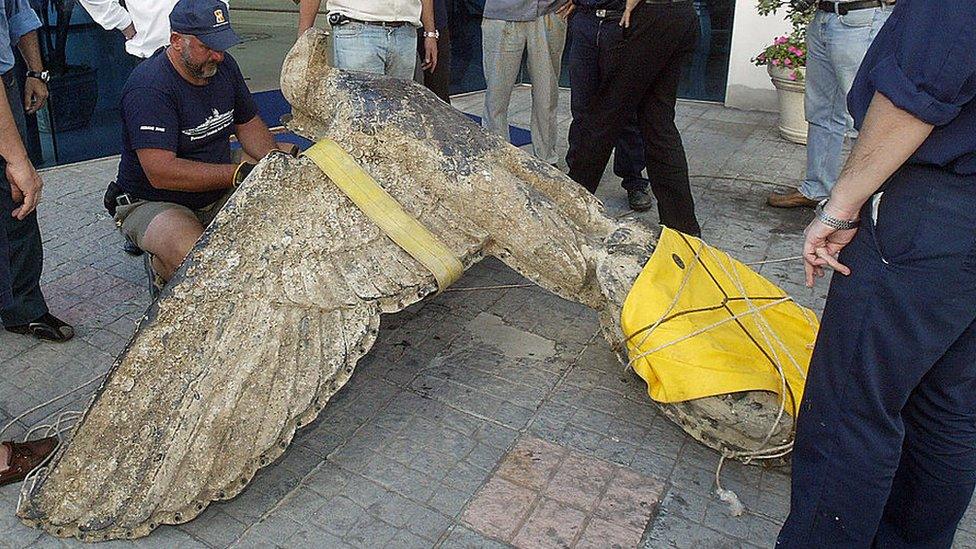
[(283, 294)]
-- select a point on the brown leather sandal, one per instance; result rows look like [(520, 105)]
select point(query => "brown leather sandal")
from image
[(25, 457)]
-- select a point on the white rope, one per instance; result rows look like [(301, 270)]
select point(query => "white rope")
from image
[(481, 288), (63, 421), (780, 260), (26, 413)]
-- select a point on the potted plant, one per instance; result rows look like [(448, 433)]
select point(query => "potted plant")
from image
[(785, 60), (73, 88)]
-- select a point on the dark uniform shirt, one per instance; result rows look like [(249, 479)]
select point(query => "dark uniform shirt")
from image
[(924, 61), (161, 110)]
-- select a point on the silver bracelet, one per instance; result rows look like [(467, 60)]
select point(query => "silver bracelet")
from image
[(833, 222)]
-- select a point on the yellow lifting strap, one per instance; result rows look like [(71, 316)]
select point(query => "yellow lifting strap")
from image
[(386, 212)]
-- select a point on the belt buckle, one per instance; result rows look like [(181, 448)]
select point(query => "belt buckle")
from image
[(123, 199), (601, 13)]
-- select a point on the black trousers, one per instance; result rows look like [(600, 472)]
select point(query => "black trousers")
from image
[(642, 76), (25, 254), (438, 81), (591, 40)]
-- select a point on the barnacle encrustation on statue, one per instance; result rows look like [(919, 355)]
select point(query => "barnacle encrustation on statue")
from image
[(282, 295)]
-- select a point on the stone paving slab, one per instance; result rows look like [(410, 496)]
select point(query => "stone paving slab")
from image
[(452, 386), (544, 495)]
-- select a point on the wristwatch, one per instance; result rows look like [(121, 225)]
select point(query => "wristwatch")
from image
[(833, 222), (43, 76), (435, 34)]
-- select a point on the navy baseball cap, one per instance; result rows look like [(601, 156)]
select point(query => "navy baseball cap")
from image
[(208, 20)]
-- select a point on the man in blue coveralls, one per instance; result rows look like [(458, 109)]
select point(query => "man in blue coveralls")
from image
[(20, 187), (885, 452), (594, 31), (28, 312)]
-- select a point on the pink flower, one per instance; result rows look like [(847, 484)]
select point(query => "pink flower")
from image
[(793, 75), (780, 40), (787, 62), (775, 62)]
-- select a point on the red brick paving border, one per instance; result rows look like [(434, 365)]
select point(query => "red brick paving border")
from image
[(546, 495)]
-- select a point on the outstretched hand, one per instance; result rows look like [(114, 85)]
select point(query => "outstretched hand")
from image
[(821, 246)]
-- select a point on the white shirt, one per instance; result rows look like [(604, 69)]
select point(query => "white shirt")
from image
[(378, 10), (149, 17)]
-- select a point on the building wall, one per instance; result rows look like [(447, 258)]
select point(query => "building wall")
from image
[(749, 86)]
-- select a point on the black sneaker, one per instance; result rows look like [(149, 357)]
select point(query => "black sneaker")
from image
[(639, 199)]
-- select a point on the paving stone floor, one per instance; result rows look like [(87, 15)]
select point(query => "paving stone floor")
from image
[(480, 418)]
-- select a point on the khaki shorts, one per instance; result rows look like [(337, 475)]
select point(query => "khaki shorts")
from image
[(134, 219)]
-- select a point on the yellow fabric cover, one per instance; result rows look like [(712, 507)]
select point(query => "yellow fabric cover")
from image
[(731, 357)]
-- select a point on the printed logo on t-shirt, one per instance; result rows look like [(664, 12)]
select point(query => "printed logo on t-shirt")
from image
[(152, 129), (214, 124)]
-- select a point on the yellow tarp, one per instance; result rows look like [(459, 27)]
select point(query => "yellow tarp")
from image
[(691, 334)]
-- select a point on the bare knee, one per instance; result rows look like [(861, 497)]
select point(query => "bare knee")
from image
[(169, 238)]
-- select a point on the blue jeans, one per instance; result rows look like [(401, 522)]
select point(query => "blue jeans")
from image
[(591, 40), (371, 48), (836, 44)]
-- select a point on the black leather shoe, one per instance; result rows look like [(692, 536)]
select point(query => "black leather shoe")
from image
[(639, 199), (47, 327)]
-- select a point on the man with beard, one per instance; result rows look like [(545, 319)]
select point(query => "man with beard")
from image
[(179, 107)]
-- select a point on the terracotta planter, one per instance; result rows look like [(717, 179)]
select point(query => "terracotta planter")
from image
[(792, 123)]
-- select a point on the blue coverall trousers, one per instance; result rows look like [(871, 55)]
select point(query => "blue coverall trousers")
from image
[(885, 452), (25, 254)]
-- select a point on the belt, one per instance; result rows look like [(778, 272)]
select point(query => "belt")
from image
[(389, 24), (601, 13), (842, 8)]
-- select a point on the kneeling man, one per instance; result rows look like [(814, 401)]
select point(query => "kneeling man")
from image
[(179, 108)]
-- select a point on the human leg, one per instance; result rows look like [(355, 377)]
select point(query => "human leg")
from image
[(401, 52), (359, 47), (166, 231), (545, 40), (502, 44), (628, 150), (28, 312), (584, 73), (664, 153), (937, 473)]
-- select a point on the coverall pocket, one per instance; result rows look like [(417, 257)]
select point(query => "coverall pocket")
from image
[(900, 210)]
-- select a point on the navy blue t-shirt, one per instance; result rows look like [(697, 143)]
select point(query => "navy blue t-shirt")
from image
[(161, 110), (922, 60)]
